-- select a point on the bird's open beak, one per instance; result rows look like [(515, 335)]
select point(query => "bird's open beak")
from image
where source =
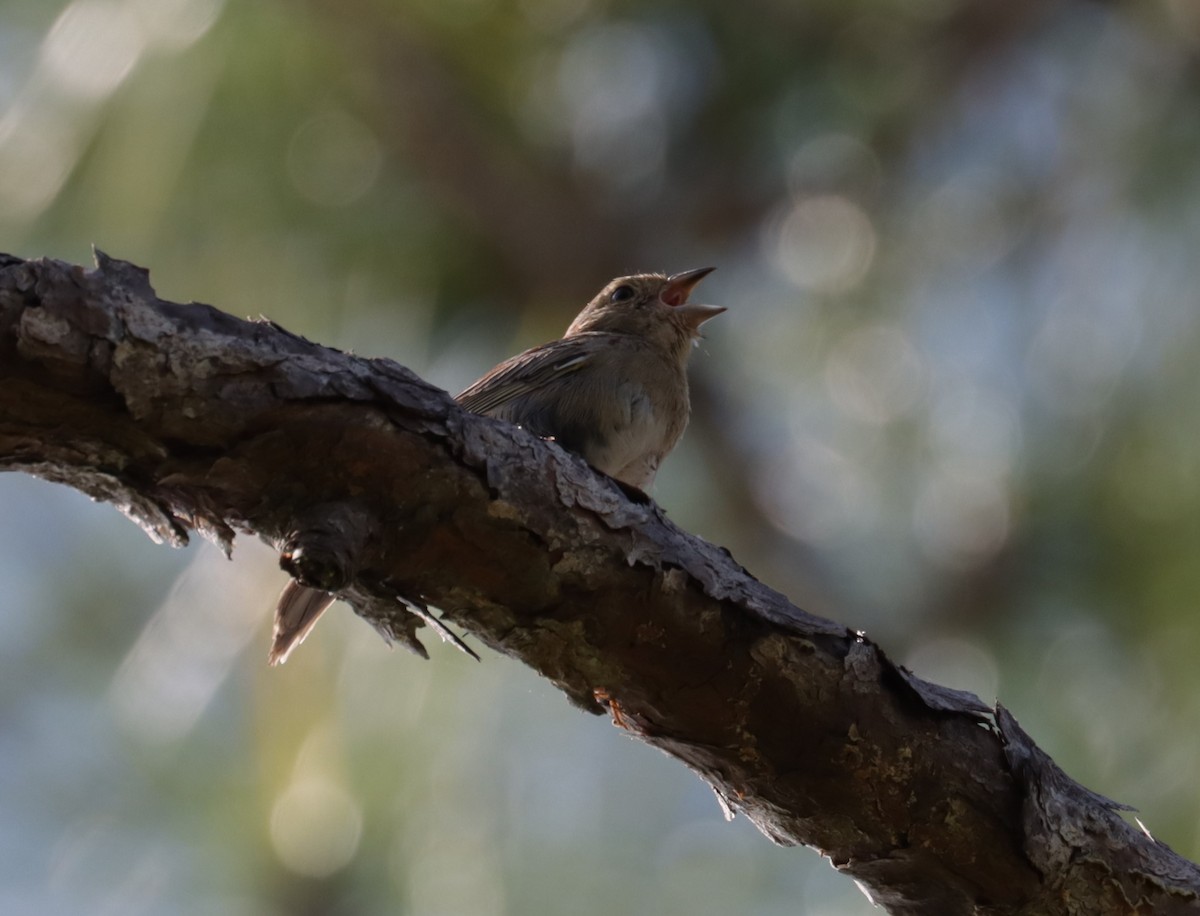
[(679, 287)]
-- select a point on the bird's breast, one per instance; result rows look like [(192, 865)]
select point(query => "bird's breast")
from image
[(649, 421)]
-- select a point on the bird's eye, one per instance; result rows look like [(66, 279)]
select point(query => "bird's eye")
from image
[(621, 293)]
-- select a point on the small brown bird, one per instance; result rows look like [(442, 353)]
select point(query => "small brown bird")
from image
[(613, 389)]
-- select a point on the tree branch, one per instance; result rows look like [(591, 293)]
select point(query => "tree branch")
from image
[(187, 418)]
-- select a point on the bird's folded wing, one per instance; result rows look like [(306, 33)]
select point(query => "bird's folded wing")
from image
[(530, 371)]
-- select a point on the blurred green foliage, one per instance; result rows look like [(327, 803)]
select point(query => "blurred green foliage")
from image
[(954, 403)]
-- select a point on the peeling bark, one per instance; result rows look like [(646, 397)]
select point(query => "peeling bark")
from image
[(190, 419)]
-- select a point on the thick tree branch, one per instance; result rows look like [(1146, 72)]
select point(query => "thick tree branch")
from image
[(188, 418)]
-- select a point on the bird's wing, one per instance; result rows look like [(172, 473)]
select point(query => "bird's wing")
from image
[(529, 371)]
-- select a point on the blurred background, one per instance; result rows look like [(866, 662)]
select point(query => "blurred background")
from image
[(954, 403)]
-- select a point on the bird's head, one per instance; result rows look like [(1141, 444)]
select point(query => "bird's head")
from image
[(654, 306)]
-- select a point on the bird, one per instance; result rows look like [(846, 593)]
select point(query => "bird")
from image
[(613, 389)]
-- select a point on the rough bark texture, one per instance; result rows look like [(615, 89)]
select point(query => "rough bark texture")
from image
[(375, 483)]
